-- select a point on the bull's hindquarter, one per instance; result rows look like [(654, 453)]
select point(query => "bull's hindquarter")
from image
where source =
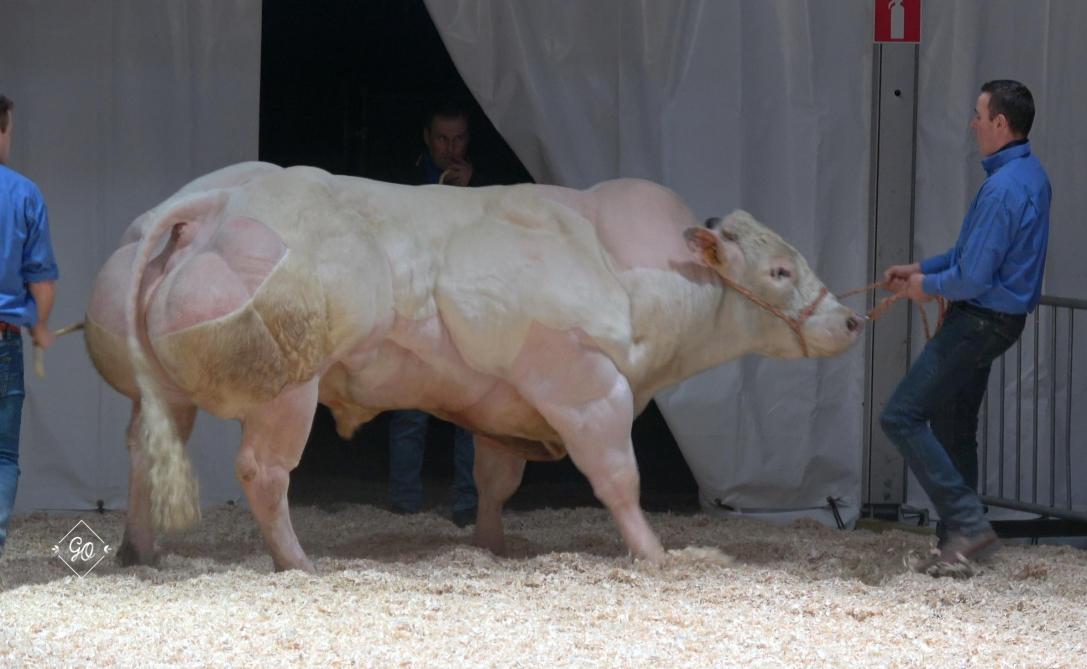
[(236, 317)]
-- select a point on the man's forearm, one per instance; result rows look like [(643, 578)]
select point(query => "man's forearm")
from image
[(44, 293)]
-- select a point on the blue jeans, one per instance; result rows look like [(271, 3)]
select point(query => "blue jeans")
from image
[(407, 441), (932, 416), (11, 414)]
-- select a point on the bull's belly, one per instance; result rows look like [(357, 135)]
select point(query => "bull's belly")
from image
[(391, 376), (500, 413)]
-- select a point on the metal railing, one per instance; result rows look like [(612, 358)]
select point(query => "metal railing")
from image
[(1033, 447)]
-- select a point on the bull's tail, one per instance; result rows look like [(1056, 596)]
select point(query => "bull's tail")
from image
[(175, 499)]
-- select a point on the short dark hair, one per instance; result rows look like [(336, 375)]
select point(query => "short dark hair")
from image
[(448, 108), (1014, 101), (6, 105)]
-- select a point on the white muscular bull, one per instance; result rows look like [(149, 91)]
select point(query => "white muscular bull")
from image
[(542, 319)]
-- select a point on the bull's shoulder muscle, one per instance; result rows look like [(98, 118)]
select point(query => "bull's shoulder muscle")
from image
[(529, 259)]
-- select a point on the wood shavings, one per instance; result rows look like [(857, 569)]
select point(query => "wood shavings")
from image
[(396, 591)]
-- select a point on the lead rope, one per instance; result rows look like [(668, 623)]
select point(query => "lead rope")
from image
[(39, 353), (797, 324), (883, 305)]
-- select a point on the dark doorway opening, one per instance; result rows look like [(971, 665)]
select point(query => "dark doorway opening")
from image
[(344, 86)]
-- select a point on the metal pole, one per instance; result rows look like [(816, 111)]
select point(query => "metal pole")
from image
[(1000, 488), (1068, 412), (1034, 445), (891, 211), (1018, 416), (984, 477), (1035, 508), (1053, 414)]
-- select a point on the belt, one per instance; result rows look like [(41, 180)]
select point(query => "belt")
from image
[(988, 313), (8, 327)]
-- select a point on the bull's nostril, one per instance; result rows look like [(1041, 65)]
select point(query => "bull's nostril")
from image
[(852, 324)]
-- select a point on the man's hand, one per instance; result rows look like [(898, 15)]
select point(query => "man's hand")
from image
[(44, 292), (459, 173), (915, 289), (41, 334), (897, 276)]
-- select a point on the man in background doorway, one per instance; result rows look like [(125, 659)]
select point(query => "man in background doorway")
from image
[(444, 160)]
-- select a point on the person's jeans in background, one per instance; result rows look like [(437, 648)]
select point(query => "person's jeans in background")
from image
[(407, 442), (932, 416), (11, 412)]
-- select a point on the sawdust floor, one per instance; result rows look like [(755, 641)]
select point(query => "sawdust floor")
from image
[(396, 591)]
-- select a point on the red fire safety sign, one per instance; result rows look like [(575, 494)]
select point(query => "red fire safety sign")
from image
[(898, 21)]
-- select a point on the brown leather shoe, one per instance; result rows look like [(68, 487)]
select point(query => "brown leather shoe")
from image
[(959, 553)]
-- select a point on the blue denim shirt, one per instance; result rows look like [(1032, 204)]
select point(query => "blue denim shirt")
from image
[(26, 252), (999, 259)]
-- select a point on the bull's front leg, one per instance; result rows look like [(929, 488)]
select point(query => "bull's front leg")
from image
[(273, 437), (138, 544), (584, 397), (497, 474)]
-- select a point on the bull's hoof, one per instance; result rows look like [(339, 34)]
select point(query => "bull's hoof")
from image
[(130, 556), (496, 545), (303, 565), (652, 553), (652, 558)]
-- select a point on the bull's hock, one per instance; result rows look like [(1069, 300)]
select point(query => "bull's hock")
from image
[(543, 319)]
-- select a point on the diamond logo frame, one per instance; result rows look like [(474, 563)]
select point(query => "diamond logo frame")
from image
[(81, 549)]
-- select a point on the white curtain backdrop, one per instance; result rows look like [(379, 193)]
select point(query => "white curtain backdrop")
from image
[(759, 104), (756, 105), (117, 105), (966, 43)]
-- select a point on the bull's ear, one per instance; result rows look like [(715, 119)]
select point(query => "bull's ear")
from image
[(704, 245)]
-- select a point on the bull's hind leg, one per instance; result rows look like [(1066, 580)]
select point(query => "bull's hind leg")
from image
[(582, 395), (498, 474), (273, 437), (138, 544)]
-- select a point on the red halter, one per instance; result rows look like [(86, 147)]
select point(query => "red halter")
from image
[(795, 323)]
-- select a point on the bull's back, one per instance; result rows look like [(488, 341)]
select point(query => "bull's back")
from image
[(638, 222)]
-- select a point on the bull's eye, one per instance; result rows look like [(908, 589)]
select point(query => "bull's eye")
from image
[(729, 235), (780, 273)]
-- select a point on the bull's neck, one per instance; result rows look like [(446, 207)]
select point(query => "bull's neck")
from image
[(717, 334)]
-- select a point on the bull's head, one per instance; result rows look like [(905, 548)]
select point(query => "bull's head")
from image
[(796, 315)]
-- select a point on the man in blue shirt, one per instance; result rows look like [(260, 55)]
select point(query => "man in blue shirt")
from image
[(993, 278), (27, 275)]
